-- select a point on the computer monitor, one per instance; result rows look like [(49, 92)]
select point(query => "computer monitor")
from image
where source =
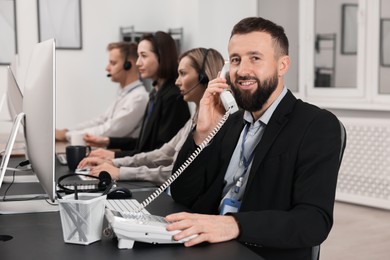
[(39, 108), (14, 95)]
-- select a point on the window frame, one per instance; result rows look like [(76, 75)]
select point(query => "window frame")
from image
[(365, 95)]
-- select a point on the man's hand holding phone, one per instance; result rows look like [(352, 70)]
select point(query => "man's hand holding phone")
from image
[(211, 108)]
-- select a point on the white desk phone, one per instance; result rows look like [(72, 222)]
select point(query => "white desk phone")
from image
[(139, 225)]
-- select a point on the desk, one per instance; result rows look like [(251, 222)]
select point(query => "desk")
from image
[(39, 236)]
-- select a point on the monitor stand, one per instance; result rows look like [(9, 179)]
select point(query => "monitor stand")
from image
[(10, 145), (21, 175), (21, 203), (25, 178), (27, 206), (27, 203)]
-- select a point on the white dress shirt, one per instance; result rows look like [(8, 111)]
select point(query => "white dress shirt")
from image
[(154, 166), (122, 119)]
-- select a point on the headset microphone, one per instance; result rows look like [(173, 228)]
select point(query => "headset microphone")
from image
[(191, 89), (113, 74), (202, 77)]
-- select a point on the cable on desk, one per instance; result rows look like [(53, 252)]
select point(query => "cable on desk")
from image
[(21, 164)]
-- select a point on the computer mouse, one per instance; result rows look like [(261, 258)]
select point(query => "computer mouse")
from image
[(119, 193)]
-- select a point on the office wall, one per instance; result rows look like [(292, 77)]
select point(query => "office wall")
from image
[(288, 17), (83, 90)]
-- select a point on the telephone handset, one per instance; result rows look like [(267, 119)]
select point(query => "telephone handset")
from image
[(226, 96), (230, 105)]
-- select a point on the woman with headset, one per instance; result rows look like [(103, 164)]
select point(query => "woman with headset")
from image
[(165, 114), (196, 67)]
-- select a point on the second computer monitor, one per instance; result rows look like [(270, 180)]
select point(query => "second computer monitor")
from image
[(39, 109)]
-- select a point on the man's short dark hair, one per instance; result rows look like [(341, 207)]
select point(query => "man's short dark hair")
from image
[(258, 24)]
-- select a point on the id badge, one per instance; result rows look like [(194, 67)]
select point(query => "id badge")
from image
[(230, 205)]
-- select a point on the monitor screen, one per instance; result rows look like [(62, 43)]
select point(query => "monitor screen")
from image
[(39, 109), (14, 95)]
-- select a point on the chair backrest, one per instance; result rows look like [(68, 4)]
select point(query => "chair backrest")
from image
[(343, 140), (315, 251)]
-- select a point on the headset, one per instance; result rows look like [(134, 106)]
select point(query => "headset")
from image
[(202, 77), (127, 64), (105, 183)]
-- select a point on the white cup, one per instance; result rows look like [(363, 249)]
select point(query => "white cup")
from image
[(77, 139)]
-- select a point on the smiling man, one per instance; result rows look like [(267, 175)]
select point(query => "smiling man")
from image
[(268, 178)]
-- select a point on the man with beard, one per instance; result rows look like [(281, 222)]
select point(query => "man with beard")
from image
[(268, 178)]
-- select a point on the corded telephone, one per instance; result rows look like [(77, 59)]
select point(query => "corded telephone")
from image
[(127, 224), (226, 96)]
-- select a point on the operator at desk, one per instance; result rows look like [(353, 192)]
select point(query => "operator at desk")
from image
[(271, 171)]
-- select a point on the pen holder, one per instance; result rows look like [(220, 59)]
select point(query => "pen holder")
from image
[(82, 218)]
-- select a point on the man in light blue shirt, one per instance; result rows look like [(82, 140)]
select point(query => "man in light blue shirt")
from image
[(123, 118)]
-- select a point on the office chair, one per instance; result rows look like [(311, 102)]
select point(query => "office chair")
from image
[(315, 251)]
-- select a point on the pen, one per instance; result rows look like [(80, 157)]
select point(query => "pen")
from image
[(76, 195)]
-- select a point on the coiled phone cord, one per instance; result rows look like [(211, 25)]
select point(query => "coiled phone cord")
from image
[(189, 160)]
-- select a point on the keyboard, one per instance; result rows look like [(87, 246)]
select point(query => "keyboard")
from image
[(130, 226), (62, 159)]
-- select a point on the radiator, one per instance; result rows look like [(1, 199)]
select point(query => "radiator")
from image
[(364, 176)]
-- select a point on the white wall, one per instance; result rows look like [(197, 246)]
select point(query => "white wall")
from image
[(83, 90), (288, 18)]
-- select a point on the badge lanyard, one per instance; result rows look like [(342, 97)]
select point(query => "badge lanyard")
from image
[(244, 161), (232, 204)]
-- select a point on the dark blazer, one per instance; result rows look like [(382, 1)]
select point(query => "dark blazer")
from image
[(169, 115), (288, 203)]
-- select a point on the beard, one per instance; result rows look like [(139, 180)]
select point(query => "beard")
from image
[(253, 102)]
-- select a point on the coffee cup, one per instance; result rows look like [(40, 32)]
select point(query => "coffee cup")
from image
[(75, 153), (77, 139)]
